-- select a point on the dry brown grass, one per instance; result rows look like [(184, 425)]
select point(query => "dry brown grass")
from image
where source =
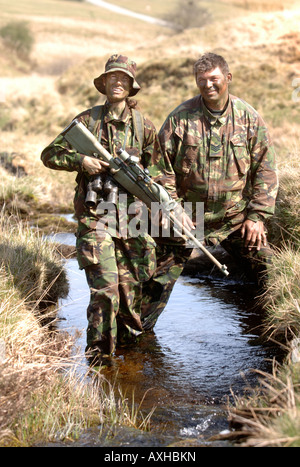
[(42, 95), (270, 416), (263, 5), (45, 395), (283, 296)]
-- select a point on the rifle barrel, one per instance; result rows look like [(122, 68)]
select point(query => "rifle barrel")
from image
[(85, 142)]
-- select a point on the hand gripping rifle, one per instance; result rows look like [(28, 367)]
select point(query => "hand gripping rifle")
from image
[(134, 179)]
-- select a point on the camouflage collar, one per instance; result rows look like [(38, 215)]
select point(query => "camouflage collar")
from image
[(108, 117), (213, 118)]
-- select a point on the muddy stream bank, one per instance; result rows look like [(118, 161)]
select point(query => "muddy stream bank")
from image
[(205, 344)]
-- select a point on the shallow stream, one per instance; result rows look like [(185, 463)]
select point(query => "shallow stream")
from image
[(205, 344)]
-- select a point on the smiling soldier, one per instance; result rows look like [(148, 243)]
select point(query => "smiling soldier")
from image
[(221, 153), (118, 268)]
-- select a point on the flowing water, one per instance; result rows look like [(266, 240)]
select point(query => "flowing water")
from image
[(205, 344)]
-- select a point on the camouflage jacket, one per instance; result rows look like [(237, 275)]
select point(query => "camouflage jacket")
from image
[(225, 161), (59, 155)]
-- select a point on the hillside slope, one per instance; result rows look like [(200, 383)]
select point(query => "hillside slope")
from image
[(44, 93)]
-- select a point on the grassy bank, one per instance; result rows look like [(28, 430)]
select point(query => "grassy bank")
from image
[(43, 398), (270, 415)]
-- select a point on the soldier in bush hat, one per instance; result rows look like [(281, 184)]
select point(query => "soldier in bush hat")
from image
[(118, 63), (121, 271)]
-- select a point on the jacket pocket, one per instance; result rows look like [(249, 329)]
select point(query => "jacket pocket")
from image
[(239, 157), (188, 157)]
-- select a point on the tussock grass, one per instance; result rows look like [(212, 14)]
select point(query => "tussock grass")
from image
[(43, 396), (20, 193), (284, 227), (28, 350), (262, 48), (270, 417), (25, 193), (31, 263), (283, 293)]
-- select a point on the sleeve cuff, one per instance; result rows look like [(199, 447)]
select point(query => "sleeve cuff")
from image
[(255, 217), (79, 160)]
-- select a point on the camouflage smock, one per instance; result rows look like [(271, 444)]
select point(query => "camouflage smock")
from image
[(59, 155), (225, 161)]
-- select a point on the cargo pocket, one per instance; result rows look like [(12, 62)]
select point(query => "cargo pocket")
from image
[(90, 250), (140, 256), (188, 158)]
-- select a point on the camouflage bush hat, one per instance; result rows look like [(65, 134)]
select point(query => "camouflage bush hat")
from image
[(118, 63)]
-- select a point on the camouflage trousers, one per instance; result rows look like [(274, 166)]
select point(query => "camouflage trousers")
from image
[(129, 288)]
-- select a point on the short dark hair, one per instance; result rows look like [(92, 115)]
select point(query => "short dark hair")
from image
[(210, 61)]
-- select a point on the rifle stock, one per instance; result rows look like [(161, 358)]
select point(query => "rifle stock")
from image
[(135, 180)]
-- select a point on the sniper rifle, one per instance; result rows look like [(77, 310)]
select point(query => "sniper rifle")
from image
[(134, 179)]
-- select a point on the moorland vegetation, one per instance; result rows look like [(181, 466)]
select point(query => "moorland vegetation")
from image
[(50, 52)]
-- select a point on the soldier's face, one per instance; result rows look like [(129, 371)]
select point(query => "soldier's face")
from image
[(117, 86), (213, 86)]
